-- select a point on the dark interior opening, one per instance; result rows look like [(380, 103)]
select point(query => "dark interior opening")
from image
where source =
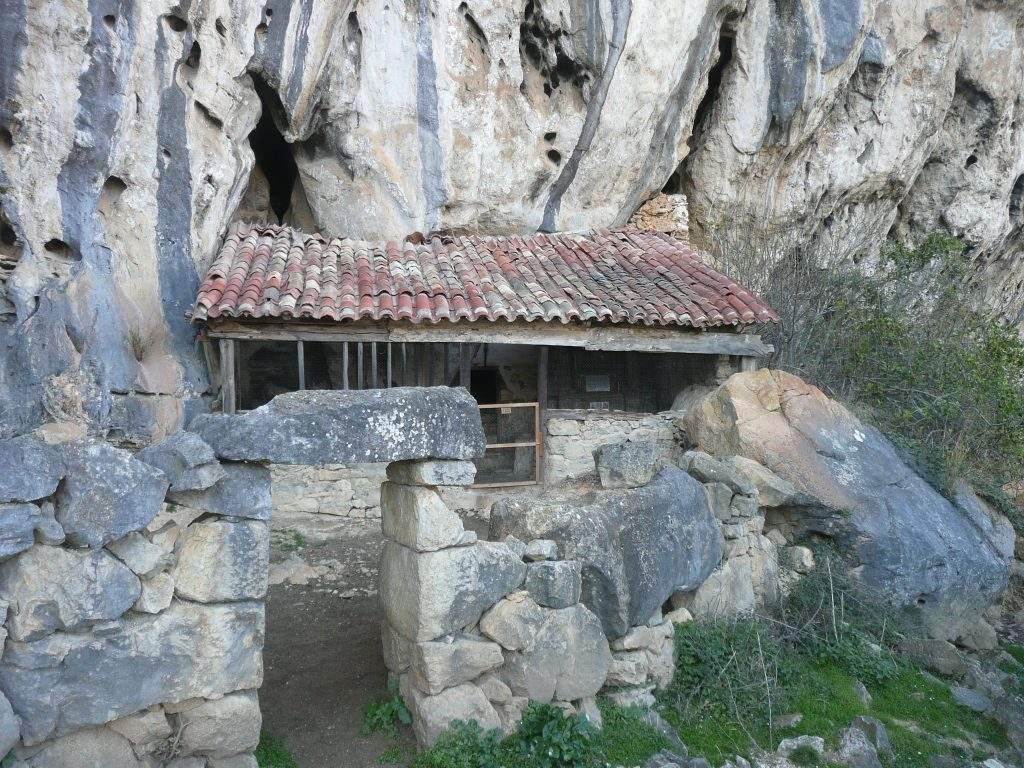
[(484, 385), (273, 154), (1017, 201)]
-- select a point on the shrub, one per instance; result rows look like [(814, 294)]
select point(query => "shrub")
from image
[(804, 756), (464, 745), (384, 715), (548, 738), (896, 336)]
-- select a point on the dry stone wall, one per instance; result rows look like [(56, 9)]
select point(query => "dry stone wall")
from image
[(336, 489), (132, 586)]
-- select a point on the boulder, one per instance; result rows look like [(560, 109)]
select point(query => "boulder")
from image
[(430, 594), (555, 584), (514, 622), (627, 465), (29, 469), (223, 560), (432, 472), (935, 655), (433, 715), (772, 490), (188, 462), (913, 545), (568, 659), (350, 427), (92, 747), (243, 491), (144, 557), (48, 530), (708, 469), (440, 664), (106, 493), (222, 727), (68, 681), (53, 588), (235, 761), (17, 528), (494, 689), (856, 750), (417, 518), (636, 546), (973, 700)]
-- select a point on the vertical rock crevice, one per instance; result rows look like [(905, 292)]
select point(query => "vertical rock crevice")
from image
[(621, 12), (274, 156)]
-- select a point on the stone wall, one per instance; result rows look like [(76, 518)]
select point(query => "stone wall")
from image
[(571, 437), (132, 586), (345, 491)]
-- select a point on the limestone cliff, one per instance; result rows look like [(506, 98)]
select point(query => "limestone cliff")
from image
[(125, 146)]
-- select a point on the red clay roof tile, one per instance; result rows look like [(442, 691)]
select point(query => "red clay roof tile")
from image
[(625, 275)]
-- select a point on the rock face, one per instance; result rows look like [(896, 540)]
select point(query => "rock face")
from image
[(831, 120), (636, 546), (349, 427), (914, 544), (17, 484)]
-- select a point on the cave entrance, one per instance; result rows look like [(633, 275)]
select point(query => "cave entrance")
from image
[(275, 192)]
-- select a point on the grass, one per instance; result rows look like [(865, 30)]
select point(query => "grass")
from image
[(272, 753), (288, 541), (625, 739)]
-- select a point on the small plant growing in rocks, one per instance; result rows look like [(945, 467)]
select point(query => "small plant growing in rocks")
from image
[(549, 738), (383, 716)]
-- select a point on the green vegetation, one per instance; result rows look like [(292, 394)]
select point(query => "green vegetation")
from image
[(804, 756), (896, 336), (624, 739), (384, 715), (287, 541), (736, 676), (272, 753)]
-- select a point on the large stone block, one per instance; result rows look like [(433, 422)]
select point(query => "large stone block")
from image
[(29, 469), (243, 491), (914, 546), (350, 427), (140, 554), (222, 727), (68, 681), (432, 472), (431, 594), (94, 747), (636, 546), (555, 584), (514, 622), (188, 462), (568, 659), (17, 528), (53, 588), (627, 465), (440, 664), (417, 518), (433, 715), (106, 493), (223, 560), (10, 726)]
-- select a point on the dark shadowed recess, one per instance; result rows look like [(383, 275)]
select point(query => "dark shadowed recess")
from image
[(273, 154)]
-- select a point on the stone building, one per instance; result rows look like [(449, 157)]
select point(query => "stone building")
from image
[(566, 341)]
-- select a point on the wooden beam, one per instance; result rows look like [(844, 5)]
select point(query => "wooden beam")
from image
[(465, 363), (302, 364), (227, 375), (604, 337), (542, 404), (344, 365), (748, 364)]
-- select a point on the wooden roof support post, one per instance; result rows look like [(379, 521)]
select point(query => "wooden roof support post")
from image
[(227, 375), (542, 404), (748, 364)]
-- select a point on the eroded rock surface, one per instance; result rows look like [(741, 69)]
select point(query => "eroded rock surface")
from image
[(636, 546), (913, 544)]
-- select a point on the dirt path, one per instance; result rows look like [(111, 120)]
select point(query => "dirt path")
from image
[(323, 659)]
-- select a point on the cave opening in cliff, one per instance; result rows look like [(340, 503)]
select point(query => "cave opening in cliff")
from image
[(702, 116), (274, 156)]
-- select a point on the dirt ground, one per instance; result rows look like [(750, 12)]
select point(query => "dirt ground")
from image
[(323, 659)]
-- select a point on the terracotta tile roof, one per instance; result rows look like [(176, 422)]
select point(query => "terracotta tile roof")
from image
[(620, 276)]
